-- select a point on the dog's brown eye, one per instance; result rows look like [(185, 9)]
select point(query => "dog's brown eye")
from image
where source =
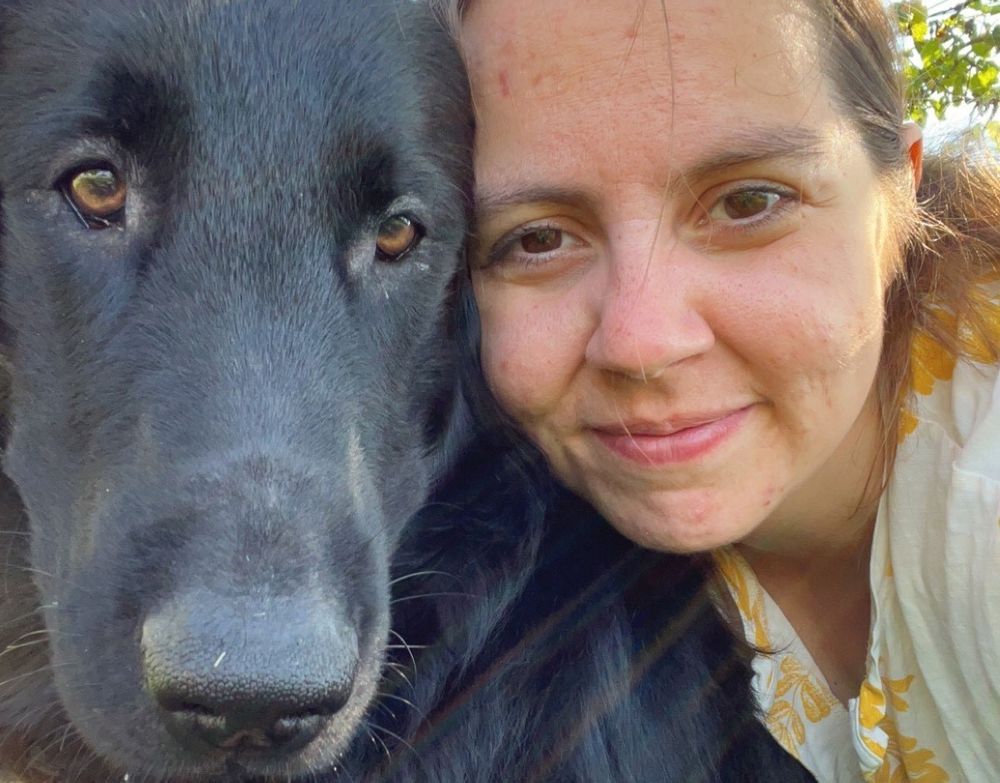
[(396, 237), (96, 195)]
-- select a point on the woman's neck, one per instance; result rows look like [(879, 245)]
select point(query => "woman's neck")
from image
[(812, 555), (828, 602)]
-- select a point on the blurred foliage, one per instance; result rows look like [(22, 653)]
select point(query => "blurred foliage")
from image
[(952, 53)]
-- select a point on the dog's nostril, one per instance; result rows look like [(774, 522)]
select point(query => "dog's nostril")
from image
[(296, 730), (256, 711), (175, 705), (240, 730), (234, 715)]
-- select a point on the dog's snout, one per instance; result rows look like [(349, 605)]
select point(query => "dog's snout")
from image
[(254, 681)]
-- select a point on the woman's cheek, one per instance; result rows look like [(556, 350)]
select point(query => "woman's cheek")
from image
[(528, 359), (505, 374)]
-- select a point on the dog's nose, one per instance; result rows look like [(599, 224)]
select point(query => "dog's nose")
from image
[(254, 720), (237, 679)]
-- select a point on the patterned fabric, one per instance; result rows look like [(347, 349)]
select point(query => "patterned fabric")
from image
[(929, 708)]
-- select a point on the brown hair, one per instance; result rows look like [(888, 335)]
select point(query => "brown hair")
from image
[(948, 236)]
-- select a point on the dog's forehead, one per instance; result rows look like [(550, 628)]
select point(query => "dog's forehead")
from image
[(255, 88), (233, 65)]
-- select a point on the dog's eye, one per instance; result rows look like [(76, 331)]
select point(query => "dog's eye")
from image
[(396, 237), (97, 196)]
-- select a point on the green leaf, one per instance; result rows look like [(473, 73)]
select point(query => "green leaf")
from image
[(992, 131), (951, 57), (918, 114), (928, 50), (982, 48)]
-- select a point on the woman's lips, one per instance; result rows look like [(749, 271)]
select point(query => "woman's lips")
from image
[(653, 444)]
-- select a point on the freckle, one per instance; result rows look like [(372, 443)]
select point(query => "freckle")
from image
[(536, 80), (769, 493), (504, 84)]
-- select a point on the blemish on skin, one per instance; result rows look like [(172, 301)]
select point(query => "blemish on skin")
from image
[(504, 80), (631, 32)]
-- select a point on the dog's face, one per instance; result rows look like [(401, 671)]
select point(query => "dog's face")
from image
[(229, 232)]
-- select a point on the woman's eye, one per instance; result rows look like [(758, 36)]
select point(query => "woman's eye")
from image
[(541, 240), (744, 205), (96, 195), (396, 237), (542, 249)]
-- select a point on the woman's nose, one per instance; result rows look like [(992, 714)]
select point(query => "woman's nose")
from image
[(648, 317)]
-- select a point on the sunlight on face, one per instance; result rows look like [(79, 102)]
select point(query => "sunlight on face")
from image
[(680, 262)]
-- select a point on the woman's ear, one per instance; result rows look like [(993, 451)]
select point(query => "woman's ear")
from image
[(912, 139)]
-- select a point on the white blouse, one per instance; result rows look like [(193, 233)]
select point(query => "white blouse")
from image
[(929, 708)]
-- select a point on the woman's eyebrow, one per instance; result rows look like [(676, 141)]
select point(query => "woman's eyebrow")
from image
[(741, 147), (751, 145), (490, 202)]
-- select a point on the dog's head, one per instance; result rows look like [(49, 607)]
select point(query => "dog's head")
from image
[(229, 235)]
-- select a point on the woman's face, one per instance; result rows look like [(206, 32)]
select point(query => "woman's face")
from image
[(681, 261)]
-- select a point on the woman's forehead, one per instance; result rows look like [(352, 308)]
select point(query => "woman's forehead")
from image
[(565, 74), (767, 38)]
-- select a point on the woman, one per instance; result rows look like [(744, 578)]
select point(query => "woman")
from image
[(711, 295)]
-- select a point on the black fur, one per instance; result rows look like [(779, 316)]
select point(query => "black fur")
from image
[(224, 412)]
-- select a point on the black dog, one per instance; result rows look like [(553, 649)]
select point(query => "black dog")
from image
[(231, 232), (230, 229)]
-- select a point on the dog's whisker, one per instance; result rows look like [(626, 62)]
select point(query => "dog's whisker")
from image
[(400, 672), (407, 702), (378, 740), (443, 594), (395, 736), (417, 574), (407, 647)]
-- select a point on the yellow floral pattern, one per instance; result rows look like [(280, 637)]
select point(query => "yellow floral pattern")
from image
[(903, 761), (907, 763), (930, 361), (799, 699), (871, 713), (734, 573), (798, 695)]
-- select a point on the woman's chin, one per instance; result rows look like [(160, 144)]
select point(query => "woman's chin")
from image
[(681, 521)]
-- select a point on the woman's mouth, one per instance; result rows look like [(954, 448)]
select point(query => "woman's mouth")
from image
[(682, 439)]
